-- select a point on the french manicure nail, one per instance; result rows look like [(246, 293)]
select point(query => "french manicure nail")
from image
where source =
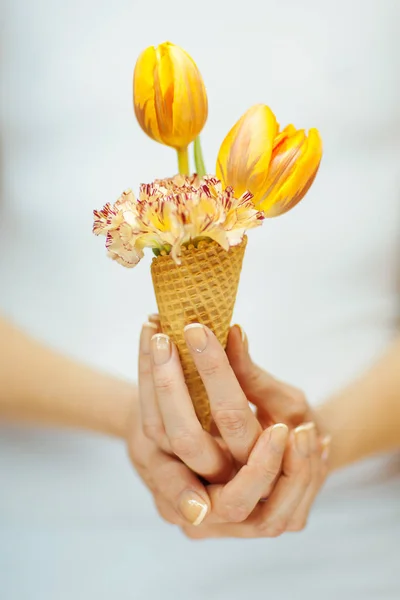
[(148, 330), (326, 446), (243, 336), (302, 439), (278, 437), (154, 318), (193, 507), (196, 336), (160, 348)]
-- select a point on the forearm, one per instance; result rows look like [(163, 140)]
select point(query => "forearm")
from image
[(37, 384), (364, 419)]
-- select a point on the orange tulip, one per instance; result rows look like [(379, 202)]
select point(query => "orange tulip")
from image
[(169, 95), (278, 168)]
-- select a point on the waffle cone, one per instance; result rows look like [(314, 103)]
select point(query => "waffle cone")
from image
[(202, 289)]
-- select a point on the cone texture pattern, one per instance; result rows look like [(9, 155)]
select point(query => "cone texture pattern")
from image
[(202, 289)]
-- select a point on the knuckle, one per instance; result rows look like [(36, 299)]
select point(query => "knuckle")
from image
[(232, 421), (210, 368), (297, 524), (236, 512), (298, 405), (269, 475), (299, 398), (137, 459), (145, 369), (185, 444), (153, 431), (136, 454), (163, 384), (273, 527)]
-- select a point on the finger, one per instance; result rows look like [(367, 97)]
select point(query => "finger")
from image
[(319, 471), (140, 448), (237, 350), (179, 495), (225, 530), (270, 519), (276, 401), (293, 483), (229, 406), (168, 513), (235, 501), (178, 486), (325, 450), (187, 439), (237, 346), (155, 318), (152, 423)]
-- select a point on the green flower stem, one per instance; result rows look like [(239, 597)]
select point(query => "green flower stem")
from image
[(198, 158), (183, 161)]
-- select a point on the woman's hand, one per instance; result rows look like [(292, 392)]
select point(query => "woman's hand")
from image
[(180, 496), (290, 479)]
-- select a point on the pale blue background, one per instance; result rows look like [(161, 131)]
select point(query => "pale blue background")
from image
[(319, 296)]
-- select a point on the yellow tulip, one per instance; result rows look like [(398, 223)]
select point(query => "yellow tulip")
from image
[(277, 172), (294, 164), (169, 95), (245, 153)]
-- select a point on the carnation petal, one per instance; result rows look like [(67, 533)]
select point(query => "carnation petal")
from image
[(170, 213)]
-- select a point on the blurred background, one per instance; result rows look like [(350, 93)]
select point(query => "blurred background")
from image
[(320, 283)]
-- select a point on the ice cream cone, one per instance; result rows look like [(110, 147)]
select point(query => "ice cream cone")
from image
[(202, 289)]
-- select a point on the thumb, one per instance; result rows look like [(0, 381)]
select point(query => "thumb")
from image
[(254, 381), (277, 402)]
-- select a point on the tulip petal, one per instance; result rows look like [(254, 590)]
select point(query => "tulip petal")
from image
[(190, 110), (143, 93), (288, 131), (164, 91), (245, 153), (294, 165), (283, 161)]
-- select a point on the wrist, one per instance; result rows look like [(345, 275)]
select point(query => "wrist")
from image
[(110, 405)]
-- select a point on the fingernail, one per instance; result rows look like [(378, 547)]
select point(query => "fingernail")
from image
[(160, 348), (326, 447), (242, 335), (148, 330), (154, 318), (193, 507), (302, 439), (196, 336), (278, 437)]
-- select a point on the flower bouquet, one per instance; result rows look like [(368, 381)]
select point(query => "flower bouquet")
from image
[(196, 223)]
